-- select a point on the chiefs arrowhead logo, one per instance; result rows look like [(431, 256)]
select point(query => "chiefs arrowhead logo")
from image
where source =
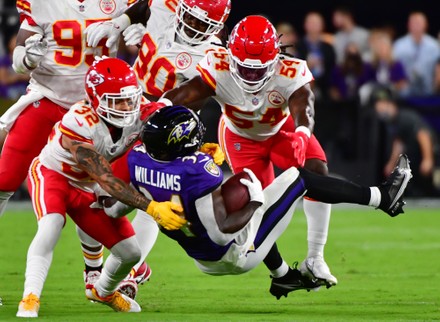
[(94, 79)]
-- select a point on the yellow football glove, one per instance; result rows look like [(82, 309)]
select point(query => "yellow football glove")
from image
[(214, 150), (164, 213)]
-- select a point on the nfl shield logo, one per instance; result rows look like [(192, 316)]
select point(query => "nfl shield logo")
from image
[(237, 146)]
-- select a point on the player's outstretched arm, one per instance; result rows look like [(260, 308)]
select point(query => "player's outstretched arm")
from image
[(190, 93), (99, 169), (301, 106)]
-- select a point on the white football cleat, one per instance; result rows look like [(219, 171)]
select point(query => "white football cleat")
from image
[(91, 277), (318, 271), (117, 301), (29, 306), (129, 286)]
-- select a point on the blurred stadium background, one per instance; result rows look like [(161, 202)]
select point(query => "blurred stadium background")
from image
[(351, 136)]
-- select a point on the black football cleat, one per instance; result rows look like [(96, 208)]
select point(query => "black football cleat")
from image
[(290, 282), (395, 186)]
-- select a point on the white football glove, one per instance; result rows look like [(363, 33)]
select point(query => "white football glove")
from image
[(110, 29), (100, 195), (133, 34), (114, 208), (36, 48), (254, 186)]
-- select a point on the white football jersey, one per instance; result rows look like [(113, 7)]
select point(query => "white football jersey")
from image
[(254, 116), (163, 63), (60, 75), (81, 123)]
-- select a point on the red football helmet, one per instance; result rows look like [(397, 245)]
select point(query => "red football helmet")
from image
[(254, 51), (113, 91), (211, 13)]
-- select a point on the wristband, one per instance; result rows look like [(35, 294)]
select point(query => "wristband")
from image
[(26, 64), (304, 129), (18, 61), (165, 101), (122, 22)]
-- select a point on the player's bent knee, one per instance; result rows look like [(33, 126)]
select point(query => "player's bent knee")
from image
[(316, 166), (127, 250)]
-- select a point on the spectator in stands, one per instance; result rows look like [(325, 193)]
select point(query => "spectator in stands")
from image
[(350, 75), (346, 81), (348, 32), (320, 55), (418, 53), (388, 70), (406, 132), (437, 78), (12, 85), (288, 37)]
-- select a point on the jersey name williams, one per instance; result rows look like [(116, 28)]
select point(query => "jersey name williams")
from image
[(158, 179)]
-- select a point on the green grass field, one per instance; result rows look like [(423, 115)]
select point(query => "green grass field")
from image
[(388, 269)]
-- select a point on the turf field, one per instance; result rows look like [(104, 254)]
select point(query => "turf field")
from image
[(388, 269)]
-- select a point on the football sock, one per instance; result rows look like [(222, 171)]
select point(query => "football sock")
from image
[(118, 265), (273, 259), (280, 271), (93, 268), (40, 253), (146, 230), (93, 251), (375, 197), (318, 220)]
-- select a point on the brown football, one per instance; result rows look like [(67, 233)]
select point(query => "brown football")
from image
[(235, 194)]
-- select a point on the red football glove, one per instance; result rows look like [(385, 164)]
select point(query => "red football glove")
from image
[(149, 108), (299, 143)]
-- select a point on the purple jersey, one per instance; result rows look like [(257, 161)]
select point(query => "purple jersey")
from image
[(188, 178)]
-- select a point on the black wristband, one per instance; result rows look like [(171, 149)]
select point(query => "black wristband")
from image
[(26, 65)]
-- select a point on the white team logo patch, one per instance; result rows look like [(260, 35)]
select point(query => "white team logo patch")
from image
[(183, 60), (94, 79), (107, 6), (276, 98), (212, 168)]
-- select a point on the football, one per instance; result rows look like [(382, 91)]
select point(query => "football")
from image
[(235, 194)]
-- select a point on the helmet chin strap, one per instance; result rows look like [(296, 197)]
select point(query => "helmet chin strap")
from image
[(183, 38)]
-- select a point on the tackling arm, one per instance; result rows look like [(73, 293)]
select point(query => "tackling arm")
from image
[(302, 110), (189, 93), (301, 106), (99, 169)]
